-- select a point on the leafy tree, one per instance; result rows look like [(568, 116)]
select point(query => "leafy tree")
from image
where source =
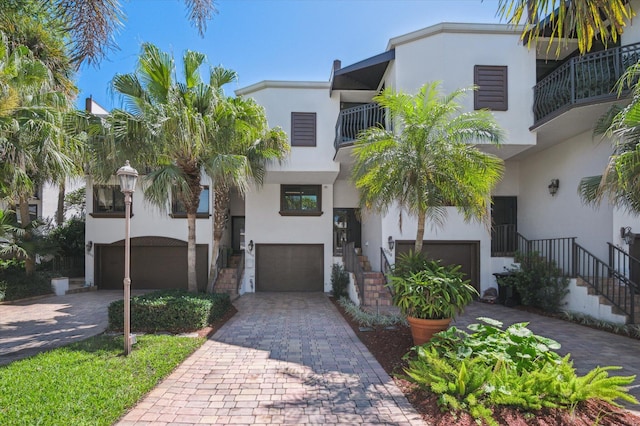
[(92, 24), (430, 162), (33, 139), (560, 19), (179, 130), (620, 181)]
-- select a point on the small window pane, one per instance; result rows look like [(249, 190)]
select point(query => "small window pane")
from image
[(108, 199), (203, 207), (300, 199)]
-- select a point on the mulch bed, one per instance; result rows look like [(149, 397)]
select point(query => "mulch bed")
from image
[(390, 346)]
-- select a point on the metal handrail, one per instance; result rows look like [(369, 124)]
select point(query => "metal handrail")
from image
[(385, 268), (582, 79), (559, 252), (606, 281), (352, 121), (623, 262), (352, 264)]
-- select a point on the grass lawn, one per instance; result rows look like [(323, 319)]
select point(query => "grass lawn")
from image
[(89, 382)]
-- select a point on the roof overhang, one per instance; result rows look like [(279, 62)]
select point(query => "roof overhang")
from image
[(363, 75)]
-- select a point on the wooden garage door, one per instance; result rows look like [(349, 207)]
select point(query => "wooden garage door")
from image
[(289, 267), (156, 263), (465, 253)]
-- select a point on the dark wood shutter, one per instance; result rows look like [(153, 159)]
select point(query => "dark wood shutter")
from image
[(492, 87), (303, 129)]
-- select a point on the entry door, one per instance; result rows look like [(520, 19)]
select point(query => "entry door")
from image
[(237, 233), (346, 229)]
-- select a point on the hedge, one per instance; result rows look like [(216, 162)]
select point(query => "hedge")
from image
[(173, 311)]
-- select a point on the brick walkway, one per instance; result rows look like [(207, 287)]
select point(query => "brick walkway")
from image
[(284, 358)]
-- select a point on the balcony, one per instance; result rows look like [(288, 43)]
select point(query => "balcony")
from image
[(352, 121), (582, 80)]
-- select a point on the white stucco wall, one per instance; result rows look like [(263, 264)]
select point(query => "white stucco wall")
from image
[(632, 32), (147, 220), (280, 99), (541, 215), (448, 53), (265, 225), (345, 194), (48, 204), (579, 300)]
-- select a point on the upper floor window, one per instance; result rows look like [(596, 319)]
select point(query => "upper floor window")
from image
[(492, 87), (108, 200), (303, 129), (178, 209), (300, 200)]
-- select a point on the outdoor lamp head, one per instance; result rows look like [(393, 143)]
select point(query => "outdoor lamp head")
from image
[(128, 177)]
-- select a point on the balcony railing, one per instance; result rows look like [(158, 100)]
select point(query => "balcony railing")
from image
[(352, 121), (582, 80)]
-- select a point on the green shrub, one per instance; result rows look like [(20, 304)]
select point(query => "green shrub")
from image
[(339, 281), (490, 367), (174, 311), (15, 284), (409, 263), (539, 282)]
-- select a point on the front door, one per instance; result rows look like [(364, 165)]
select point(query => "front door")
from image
[(346, 229), (237, 233)]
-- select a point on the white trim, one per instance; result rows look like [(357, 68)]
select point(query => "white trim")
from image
[(281, 84)]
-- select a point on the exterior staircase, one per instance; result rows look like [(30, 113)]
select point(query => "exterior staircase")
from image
[(78, 285), (611, 287), (375, 292), (227, 281)]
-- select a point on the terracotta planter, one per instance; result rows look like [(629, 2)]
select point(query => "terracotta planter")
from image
[(423, 329)]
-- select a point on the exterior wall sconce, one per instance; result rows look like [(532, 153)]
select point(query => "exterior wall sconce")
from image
[(627, 235), (391, 243), (250, 246), (89, 246), (553, 186)]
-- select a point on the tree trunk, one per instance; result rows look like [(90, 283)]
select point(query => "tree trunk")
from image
[(25, 221), (420, 233), (220, 209), (192, 277), (60, 211)]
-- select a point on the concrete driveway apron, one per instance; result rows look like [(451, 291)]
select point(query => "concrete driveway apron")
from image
[(284, 358)]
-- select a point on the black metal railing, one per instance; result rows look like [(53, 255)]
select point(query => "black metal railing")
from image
[(582, 79), (606, 281), (385, 268), (625, 264), (352, 264), (69, 266), (503, 240), (558, 252), (352, 121)]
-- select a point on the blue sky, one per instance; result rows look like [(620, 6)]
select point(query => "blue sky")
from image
[(273, 39)]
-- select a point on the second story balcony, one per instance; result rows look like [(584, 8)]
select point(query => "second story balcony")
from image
[(582, 80), (352, 121)]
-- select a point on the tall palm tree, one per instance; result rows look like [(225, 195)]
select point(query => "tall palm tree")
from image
[(32, 131), (242, 149), (620, 181), (430, 162), (583, 19), (179, 130)]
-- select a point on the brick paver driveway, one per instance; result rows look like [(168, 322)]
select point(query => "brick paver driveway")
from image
[(284, 358), (32, 326)]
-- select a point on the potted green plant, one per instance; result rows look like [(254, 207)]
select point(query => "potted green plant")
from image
[(429, 294)]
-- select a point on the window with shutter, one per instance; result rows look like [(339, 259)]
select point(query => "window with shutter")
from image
[(303, 129), (492, 87)]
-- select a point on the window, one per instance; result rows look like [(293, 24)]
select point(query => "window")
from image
[(303, 129), (492, 87), (33, 211), (178, 209), (108, 201), (300, 200)]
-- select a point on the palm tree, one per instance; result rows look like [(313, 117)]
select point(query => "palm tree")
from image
[(620, 181), (32, 131), (586, 19), (242, 150), (429, 163)]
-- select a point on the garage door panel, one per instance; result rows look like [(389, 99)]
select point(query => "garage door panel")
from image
[(152, 267), (289, 267), (464, 253)]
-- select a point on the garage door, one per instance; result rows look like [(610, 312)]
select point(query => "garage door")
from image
[(156, 263), (289, 267), (464, 253)]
